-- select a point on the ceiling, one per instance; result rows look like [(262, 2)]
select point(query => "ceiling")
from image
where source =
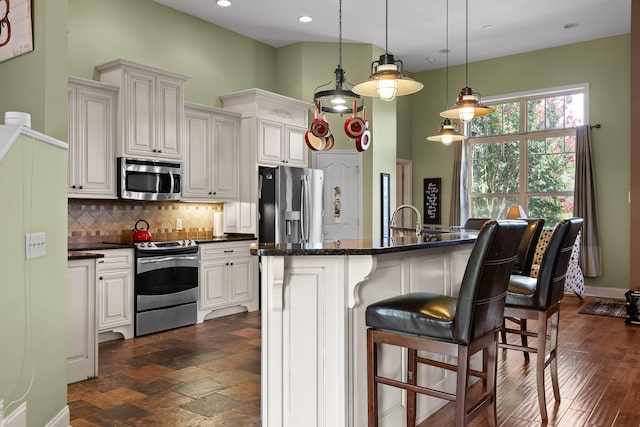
[(417, 28)]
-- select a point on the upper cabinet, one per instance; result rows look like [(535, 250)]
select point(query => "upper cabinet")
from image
[(211, 167), (150, 110), (276, 124), (92, 131)]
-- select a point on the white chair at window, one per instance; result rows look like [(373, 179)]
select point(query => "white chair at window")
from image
[(575, 279)]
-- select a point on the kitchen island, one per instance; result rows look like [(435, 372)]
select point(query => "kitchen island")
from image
[(314, 297)]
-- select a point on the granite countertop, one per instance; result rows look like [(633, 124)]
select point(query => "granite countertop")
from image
[(100, 246), (82, 255), (438, 238)]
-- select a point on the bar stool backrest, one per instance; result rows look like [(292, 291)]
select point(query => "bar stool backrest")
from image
[(527, 249), (555, 261), (480, 304)]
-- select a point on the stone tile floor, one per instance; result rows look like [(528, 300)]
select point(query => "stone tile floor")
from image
[(202, 375)]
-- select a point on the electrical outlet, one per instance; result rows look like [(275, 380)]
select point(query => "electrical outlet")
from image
[(35, 245), (178, 224)]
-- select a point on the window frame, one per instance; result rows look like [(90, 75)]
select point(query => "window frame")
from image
[(522, 137)]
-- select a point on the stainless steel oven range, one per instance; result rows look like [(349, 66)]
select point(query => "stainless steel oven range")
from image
[(166, 285)]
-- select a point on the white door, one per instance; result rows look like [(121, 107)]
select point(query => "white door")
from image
[(342, 193)]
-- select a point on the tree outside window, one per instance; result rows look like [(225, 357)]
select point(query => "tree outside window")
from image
[(534, 168)]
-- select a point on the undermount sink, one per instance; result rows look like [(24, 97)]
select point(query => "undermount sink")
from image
[(409, 231)]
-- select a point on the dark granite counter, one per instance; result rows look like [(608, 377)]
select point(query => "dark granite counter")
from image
[(82, 255), (368, 247)]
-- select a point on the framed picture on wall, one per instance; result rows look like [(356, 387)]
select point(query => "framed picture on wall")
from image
[(432, 188), (16, 28)]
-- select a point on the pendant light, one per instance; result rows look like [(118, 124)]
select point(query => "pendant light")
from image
[(338, 100), (448, 132), (468, 104), (387, 79)]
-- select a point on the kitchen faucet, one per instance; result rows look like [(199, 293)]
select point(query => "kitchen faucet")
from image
[(394, 218)]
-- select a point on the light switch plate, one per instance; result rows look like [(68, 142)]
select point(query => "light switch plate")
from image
[(35, 245)]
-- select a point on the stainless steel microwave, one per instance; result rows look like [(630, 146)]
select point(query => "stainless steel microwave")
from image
[(149, 180)]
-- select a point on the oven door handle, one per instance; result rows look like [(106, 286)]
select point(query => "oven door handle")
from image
[(151, 260)]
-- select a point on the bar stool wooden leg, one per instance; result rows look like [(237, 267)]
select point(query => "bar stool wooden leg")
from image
[(372, 387), (540, 363), (555, 320), (491, 370), (461, 386), (412, 374)]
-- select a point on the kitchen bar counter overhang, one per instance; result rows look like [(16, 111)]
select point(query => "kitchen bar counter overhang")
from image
[(314, 299)]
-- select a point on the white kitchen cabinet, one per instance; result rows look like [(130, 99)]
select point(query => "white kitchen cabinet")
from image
[(228, 279), (279, 144), (92, 132), (271, 133), (150, 109), (115, 293), (82, 344), (211, 168)]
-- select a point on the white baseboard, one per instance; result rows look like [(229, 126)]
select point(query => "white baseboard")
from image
[(599, 292), (17, 418), (62, 419)]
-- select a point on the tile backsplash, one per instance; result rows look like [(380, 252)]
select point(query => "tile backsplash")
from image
[(95, 221)]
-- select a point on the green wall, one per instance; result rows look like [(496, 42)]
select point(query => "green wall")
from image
[(605, 65), (33, 293), (219, 61)]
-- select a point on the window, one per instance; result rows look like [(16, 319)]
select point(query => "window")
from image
[(524, 153)]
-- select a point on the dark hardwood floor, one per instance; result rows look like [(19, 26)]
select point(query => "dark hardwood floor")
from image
[(209, 375)]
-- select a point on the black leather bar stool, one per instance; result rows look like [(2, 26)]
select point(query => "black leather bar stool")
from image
[(445, 325), (522, 266), (539, 299), (475, 223)]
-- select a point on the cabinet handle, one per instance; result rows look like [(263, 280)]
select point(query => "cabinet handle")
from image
[(159, 151), (228, 251), (101, 261), (80, 187), (101, 278), (230, 263), (210, 193)]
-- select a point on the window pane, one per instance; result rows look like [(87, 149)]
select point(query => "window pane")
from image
[(551, 208), (574, 111), (504, 120), (551, 164), (496, 167), (554, 113), (491, 207), (535, 114)]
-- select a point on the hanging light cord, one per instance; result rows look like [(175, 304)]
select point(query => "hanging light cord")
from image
[(446, 94), (466, 61), (386, 26), (340, 34)]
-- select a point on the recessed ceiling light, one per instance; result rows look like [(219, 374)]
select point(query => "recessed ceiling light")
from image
[(429, 59), (305, 18), (444, 51), (487, 27), (572, 25), (223, 3)]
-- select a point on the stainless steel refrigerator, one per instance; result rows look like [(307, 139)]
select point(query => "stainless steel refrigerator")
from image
[(290, 205)]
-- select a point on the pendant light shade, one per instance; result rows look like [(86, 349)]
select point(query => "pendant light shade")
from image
[(468, 104), (448, 133), (387, 79), (338, 99)]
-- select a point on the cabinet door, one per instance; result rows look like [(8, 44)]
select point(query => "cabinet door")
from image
[(295, 147), (270, 140), (240, 279), (196, 184), (114, 299), (213, 284), (139, 107), (226, 171), (81, 321), (92, 124), (169, 118)]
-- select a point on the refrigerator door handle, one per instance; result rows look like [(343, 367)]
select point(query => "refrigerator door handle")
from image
[(304, 211)]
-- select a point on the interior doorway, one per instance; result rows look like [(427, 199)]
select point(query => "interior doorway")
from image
[(404, 192)]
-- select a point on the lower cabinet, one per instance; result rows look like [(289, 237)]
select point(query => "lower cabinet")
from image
[(115, 298), (228, 279), (82, 345)]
